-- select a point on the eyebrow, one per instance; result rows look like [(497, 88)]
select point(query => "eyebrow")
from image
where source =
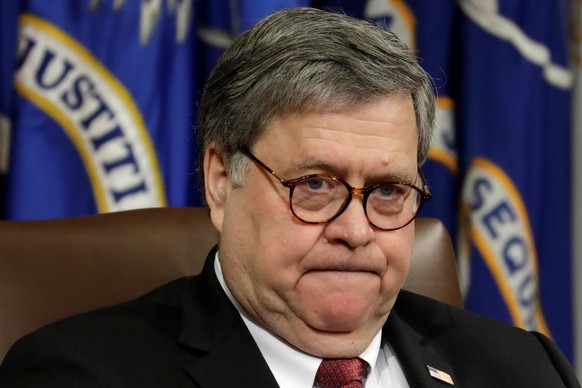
[(314, 164), (317, 164)]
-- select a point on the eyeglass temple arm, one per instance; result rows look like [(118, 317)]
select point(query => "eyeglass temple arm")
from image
[(264, 166), (425, 188)]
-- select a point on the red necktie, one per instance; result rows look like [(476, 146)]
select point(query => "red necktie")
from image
[(341, 373)]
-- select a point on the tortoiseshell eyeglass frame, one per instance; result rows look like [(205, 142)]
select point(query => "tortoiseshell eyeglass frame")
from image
[(424, 193)]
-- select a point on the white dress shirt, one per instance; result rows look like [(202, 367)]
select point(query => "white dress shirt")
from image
[(293, 368)]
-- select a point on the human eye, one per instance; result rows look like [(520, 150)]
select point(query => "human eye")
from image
[(387, 191), (315, 185), (388, 198), (314, 193)]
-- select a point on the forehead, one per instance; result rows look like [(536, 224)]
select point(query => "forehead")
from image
[(380, 136)]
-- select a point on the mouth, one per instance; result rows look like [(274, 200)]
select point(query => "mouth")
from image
[(345, 261), (347, 266), (340, 270), (347, 277)]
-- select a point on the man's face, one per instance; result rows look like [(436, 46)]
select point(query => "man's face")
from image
[(327, 289)]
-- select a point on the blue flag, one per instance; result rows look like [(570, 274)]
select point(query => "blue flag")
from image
[(513, 127), (101, 118)]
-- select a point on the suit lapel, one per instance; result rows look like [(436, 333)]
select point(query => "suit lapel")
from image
[(424, 364), (225, 354)]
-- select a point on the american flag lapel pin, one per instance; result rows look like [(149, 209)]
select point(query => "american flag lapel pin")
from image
[(440, 375)]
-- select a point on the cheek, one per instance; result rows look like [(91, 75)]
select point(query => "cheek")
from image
[(397, 249), (280, 253), (264, 246)]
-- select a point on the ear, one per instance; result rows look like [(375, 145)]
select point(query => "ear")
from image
[(216, 184)]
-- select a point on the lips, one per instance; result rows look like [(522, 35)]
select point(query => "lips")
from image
[(346, 264)]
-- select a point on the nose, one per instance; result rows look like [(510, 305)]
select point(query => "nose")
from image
[(351, 227)]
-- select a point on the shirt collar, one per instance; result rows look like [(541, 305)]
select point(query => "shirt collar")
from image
[(290, 366)]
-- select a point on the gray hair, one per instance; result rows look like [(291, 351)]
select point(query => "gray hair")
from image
[(302, 60)]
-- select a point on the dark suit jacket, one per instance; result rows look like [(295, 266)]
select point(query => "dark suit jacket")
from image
[(187, 333)]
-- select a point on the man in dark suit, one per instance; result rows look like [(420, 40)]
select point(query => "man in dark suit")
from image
[(313, 127)]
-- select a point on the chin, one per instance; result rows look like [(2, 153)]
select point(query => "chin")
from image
[(341, 324), (348, 314)]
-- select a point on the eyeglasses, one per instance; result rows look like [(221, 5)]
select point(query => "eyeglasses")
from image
[(320, 198)]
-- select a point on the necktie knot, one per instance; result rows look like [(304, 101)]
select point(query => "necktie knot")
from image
[(340, 373)]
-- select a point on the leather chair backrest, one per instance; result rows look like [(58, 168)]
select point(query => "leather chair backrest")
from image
[(54, 269)]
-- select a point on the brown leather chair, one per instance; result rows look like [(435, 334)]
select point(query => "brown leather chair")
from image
[(57, 268)]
